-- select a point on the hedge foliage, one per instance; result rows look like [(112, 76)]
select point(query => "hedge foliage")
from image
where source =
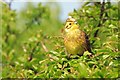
[(32, 42)]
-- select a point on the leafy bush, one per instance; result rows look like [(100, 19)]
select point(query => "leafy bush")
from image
[(32, 45)]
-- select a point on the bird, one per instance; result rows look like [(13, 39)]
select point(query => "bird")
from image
[(76, 41)]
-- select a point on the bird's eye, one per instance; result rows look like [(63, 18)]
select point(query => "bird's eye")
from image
[(69, 23)]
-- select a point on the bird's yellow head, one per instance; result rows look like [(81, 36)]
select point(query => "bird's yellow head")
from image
[(70, 24)]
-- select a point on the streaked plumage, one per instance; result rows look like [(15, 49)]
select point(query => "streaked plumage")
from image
[(75, 40)]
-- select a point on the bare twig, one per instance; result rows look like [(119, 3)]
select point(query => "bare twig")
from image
[(8, 3), (44, 47), (32, 51)]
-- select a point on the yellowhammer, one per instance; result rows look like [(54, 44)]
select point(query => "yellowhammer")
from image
[(75, 40)]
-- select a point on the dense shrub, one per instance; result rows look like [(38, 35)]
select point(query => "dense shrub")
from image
[(32, 44)]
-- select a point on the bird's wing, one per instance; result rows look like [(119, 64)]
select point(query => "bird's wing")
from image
[(86, 43)]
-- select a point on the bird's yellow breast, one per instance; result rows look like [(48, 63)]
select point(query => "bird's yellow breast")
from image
[(73, 42)]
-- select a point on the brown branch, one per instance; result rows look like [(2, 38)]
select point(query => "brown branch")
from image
[(32, 51), (102, 9), (34, 48), (9, 3)]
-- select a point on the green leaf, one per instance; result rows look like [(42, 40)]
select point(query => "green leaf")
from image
[(82, 70), (105, 56)]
